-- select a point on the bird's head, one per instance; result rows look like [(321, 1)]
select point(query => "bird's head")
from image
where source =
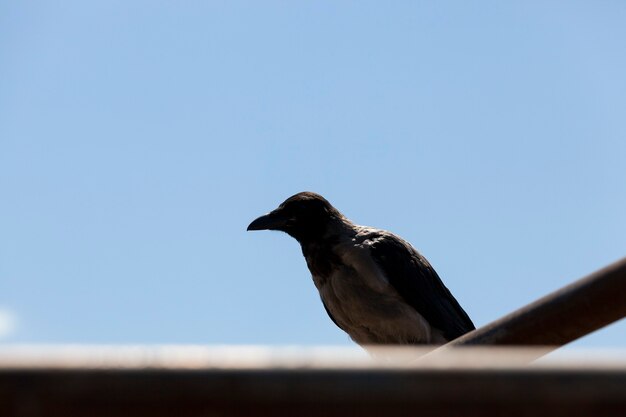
[(305, 216)]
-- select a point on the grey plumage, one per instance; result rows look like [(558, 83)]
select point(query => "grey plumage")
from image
[(374, 285)]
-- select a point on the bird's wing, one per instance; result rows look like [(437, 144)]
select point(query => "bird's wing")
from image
[(420, 286)]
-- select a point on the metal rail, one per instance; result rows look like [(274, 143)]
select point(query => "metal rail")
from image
[(107, 383), (558, 318)]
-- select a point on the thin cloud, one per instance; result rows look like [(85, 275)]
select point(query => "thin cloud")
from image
[(8, 323)]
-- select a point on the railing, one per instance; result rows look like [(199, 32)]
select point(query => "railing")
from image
[(561, 317)]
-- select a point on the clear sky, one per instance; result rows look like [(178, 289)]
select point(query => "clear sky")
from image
[(139, 138)]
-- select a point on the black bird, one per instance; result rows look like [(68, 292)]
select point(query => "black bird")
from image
[(374, 285)]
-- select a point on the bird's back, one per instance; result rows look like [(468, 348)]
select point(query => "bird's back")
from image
[(419, 285)]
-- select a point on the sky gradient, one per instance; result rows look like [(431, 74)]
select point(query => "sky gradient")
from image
[(138, 140)]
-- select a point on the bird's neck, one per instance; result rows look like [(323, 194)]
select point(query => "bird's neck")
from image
[(320, 252), (329, 234), (320, 258)]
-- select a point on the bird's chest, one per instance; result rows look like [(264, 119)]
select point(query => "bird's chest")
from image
[(348, 296), (352, 287), (346, 272)]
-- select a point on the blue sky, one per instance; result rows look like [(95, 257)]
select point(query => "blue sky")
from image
[(138, 140)]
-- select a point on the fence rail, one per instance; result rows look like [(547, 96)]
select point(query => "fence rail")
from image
[(163, 383)]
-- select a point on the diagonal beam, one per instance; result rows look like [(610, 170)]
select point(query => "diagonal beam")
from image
[(558, 318)]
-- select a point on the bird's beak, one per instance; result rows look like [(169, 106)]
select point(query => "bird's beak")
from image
[(271, 221)]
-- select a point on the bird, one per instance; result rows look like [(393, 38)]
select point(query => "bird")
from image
[(373, 284)]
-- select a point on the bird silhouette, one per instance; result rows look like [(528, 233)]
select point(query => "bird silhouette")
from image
[(373, 284)]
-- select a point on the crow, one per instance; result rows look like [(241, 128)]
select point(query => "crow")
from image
[(374, 285)]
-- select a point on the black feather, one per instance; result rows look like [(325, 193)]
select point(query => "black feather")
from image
[(420, 286)]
